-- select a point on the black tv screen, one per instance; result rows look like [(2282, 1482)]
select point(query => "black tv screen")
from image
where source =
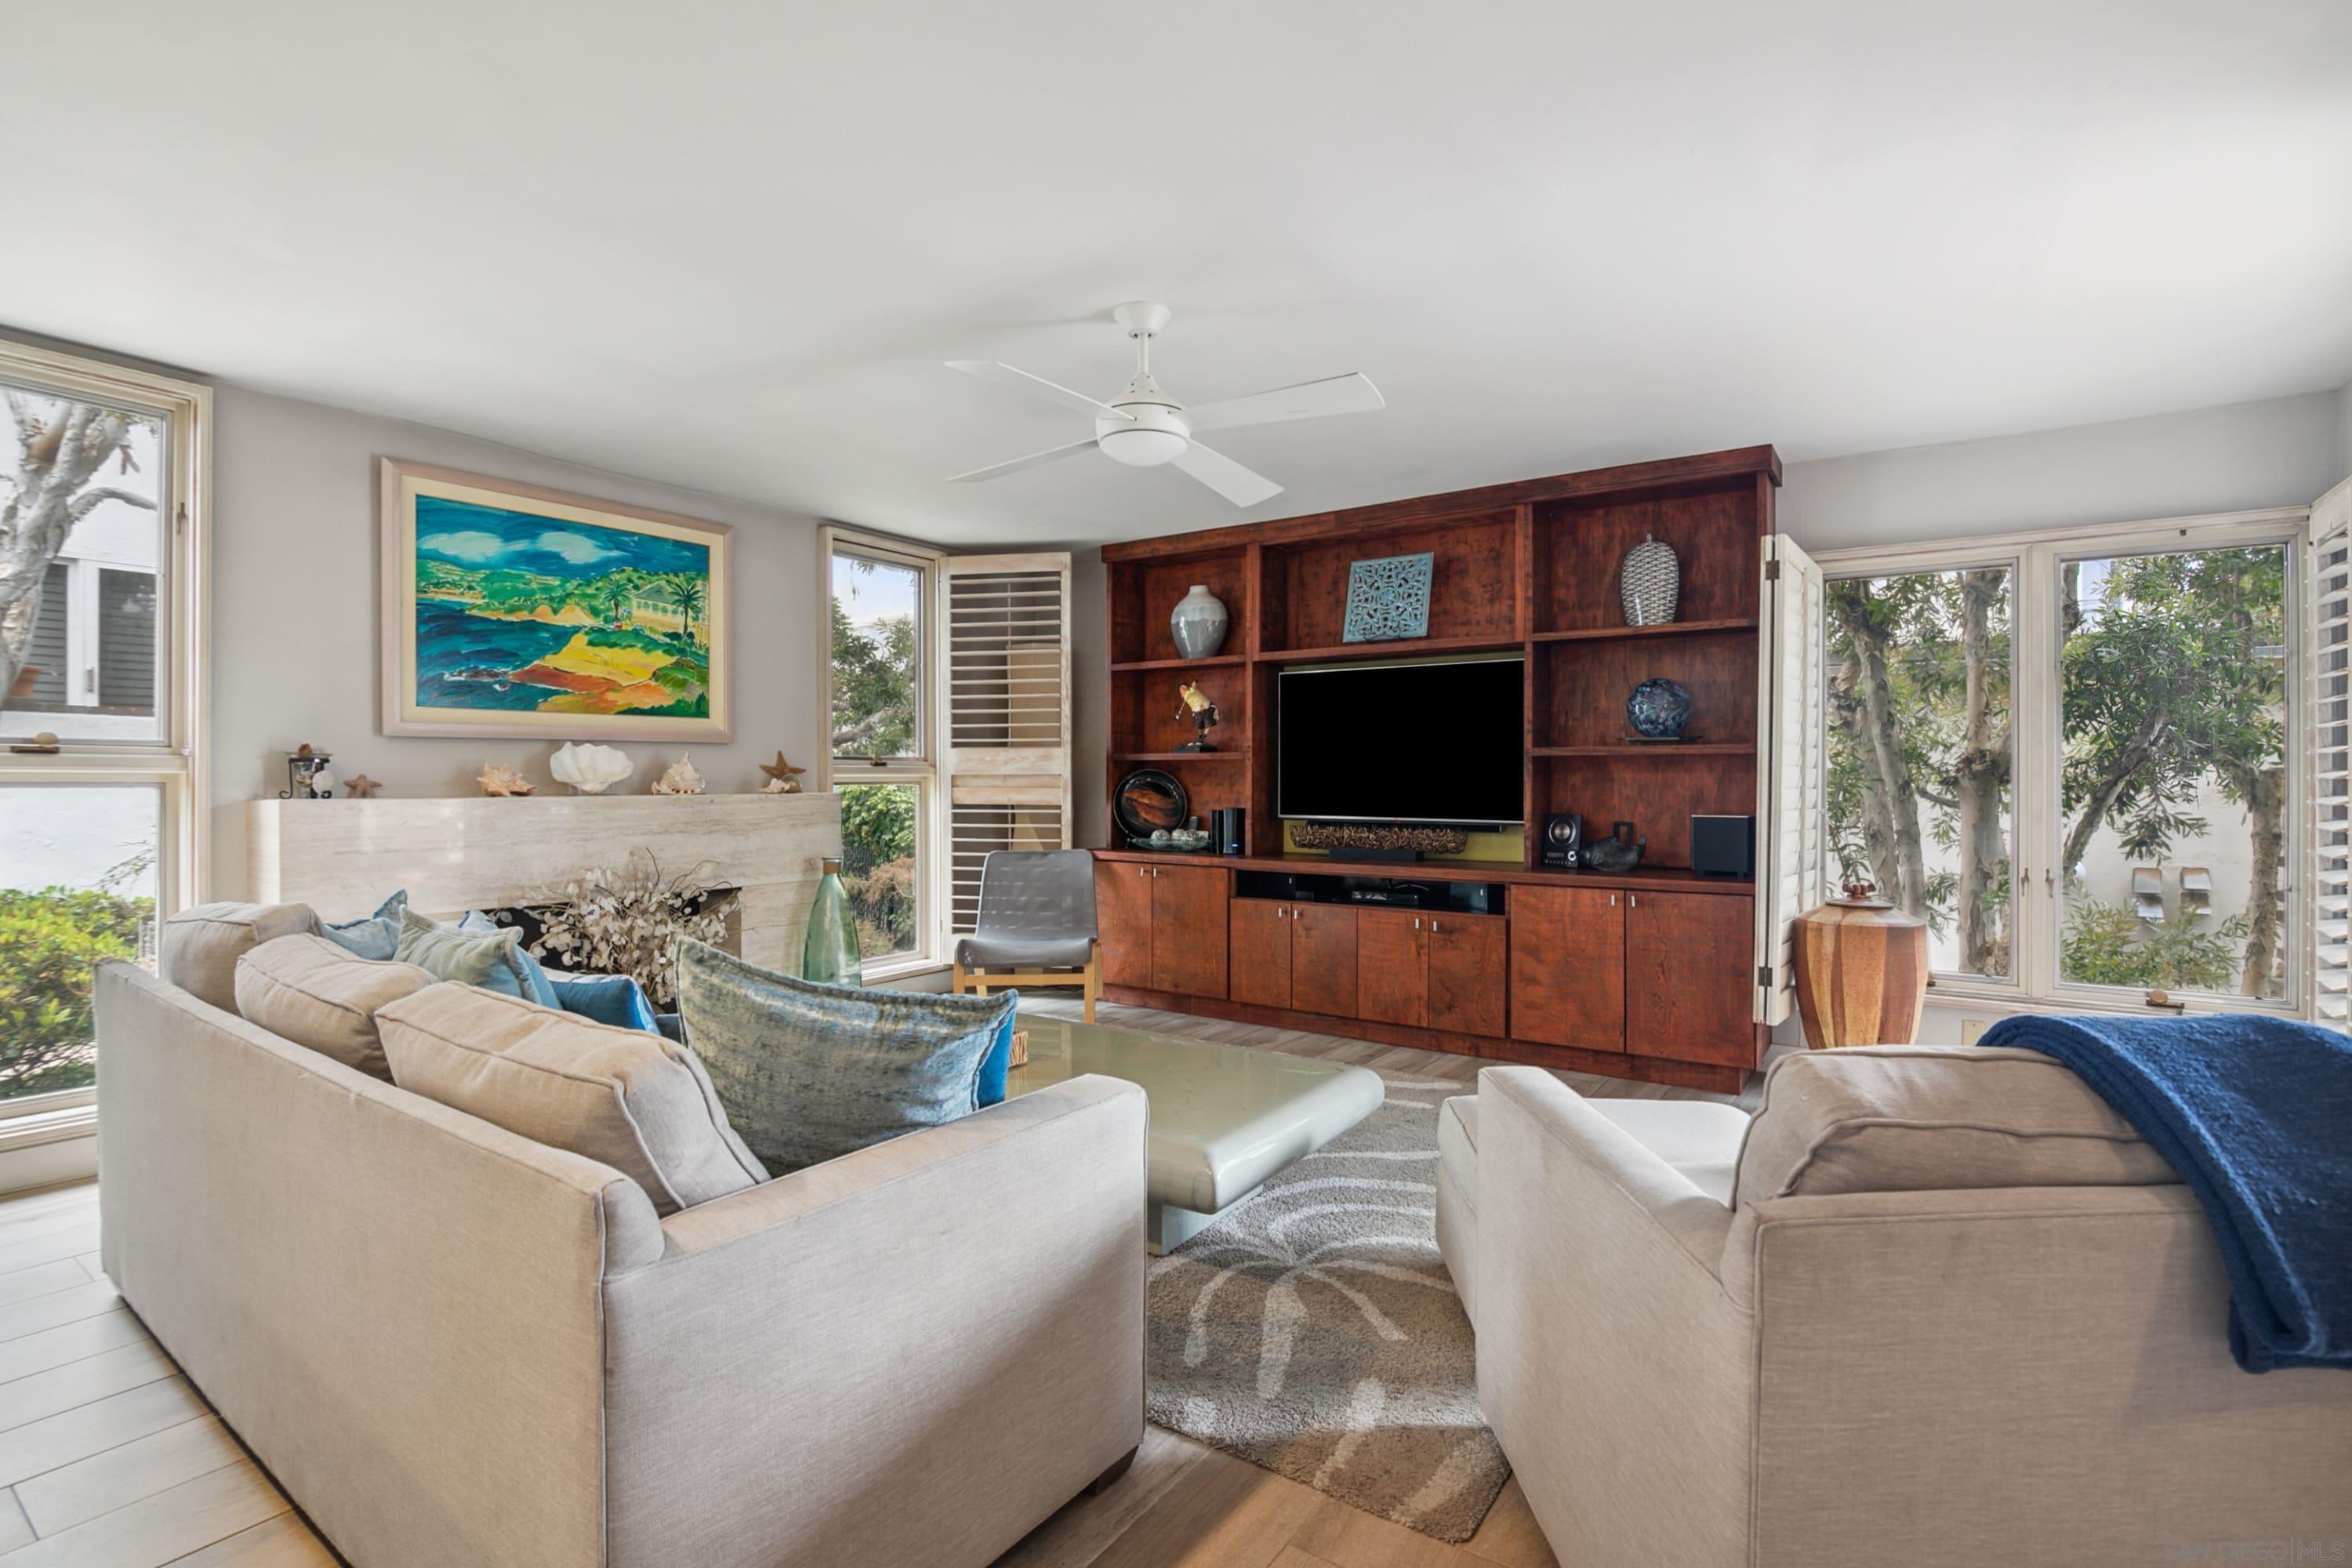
[(1401, 742)]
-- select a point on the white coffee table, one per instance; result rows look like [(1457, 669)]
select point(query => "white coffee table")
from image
[(1222, 1117)]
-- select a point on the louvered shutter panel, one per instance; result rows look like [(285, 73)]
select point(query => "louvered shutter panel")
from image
[(1006, 651), (2327, 655), (126, 640), (1793, 772), (47, 652)]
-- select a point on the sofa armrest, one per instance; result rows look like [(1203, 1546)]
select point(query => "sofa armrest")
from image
[(911, 1353), (1615, 1366)]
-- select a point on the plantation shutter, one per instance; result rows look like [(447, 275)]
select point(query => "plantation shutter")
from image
[(1006, 652), (126, 640), (47, 652), (2327, 655), (1792, 769)]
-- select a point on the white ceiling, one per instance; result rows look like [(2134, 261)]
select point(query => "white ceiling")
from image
[(726, 244)]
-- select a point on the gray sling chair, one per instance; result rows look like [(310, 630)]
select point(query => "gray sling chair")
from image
[(1036, 923)]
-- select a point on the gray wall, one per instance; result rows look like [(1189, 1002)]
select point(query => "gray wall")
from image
[(294, 612)]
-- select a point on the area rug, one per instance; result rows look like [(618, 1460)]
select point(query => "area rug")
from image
[(1315, 1331)]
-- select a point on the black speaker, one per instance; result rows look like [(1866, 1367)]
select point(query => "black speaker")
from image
[(1563, 842), (1723, 846), (1226, 822)]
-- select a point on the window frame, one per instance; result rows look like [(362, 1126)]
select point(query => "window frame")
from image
[(2037, 823), (921, 769), (175, 761)]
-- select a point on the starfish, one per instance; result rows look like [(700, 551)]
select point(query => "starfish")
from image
[(783, 771), (359, 786)]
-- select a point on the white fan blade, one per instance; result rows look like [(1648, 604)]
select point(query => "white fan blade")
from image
[(1035, 459), (1351, 394), (1241, 486), (989, 370)]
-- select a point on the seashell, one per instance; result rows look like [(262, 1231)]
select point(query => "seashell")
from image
[(321, 781), (591, 770), (680, 777), (497, 778), (780, 787)]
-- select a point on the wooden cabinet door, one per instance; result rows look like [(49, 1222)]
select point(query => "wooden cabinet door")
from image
[(1123, 920), (1188, 929), (1567, 967), (1466, 961), (1392, 966), (1690, 971), (1323, 959), (1260, 952)]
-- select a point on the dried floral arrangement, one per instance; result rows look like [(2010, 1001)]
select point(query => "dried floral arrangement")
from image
[(629, 923)]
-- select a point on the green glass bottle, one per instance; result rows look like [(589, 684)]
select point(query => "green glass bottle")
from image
[(830, 954)]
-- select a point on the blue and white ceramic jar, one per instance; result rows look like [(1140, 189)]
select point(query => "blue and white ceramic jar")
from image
[(1659, 709)]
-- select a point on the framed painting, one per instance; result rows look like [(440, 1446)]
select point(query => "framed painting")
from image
[(510, 610)]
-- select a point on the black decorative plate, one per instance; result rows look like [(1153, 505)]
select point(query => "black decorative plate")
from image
[(1149, 798)]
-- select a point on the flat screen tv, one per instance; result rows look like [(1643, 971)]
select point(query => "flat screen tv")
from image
[(1435, 742)]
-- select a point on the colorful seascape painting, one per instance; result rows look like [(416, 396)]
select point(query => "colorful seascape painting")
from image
[(514, 611)]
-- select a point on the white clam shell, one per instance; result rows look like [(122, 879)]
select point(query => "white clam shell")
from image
[(591, 770)]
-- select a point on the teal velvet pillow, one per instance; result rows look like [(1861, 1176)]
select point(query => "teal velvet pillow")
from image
[(487, 958), (377, 936), (810, 1073), (614, 999), (528, 970)]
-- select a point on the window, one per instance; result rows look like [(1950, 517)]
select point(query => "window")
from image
[(2077, 757), (878, 690), (101, 493)]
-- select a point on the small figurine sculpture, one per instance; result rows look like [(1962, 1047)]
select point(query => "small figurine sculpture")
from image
[(681, 777), (307, 777), (497, 779), (1202, 711), (782, 777)]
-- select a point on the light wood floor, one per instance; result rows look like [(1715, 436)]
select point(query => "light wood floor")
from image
[(110, 1459)]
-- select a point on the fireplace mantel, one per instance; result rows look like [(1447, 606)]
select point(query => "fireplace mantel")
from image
[(344, 857)]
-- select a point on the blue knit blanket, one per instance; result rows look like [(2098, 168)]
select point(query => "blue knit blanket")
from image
[(2255, 1115)]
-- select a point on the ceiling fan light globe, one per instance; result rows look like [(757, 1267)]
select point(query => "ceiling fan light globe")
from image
[(1140, 448)]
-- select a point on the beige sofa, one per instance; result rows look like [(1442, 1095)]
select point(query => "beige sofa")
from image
[(1931, 1307), (453, 1345)]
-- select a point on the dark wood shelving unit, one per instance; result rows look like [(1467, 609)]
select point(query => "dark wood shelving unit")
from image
[(1528, 568)]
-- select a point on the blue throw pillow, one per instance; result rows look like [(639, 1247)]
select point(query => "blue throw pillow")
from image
[(489, 959), (810, 1072), (999, 1060), (613, 999), (375, 937), (529, 976)]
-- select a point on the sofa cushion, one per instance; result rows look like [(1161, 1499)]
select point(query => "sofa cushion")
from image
[(1700, 1139), (639, 1103), (810, 1072), (529, 974), (375, 936), (489, 959), (614, 999), (1877, 1119), (315, 993), (198, 948)]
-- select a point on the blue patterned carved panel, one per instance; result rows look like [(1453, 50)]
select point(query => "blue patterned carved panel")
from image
[(1387, 598)]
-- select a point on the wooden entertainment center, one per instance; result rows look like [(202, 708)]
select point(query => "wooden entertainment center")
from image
[(1649, 974)]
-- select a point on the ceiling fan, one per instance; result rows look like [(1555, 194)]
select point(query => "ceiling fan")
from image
[(1144, 427)]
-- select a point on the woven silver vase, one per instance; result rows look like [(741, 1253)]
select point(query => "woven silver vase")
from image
[(1649, 583)]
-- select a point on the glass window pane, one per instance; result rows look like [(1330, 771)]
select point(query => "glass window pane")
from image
[(877, 640), (2172, 697), (1920, 753), (77, 885), (877, 866), (86, 668)]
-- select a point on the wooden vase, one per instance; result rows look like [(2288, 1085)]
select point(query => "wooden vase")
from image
[(1861, 974)]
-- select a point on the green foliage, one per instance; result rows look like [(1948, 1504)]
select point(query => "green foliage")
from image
[(2105, 945), (49, 943), (877, 864), (872, 687)]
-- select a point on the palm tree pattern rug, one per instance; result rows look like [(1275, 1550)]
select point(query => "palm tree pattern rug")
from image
[(1314, 1330)]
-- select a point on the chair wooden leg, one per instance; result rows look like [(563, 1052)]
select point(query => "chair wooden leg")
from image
[(957, 984), (1094, 979)]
